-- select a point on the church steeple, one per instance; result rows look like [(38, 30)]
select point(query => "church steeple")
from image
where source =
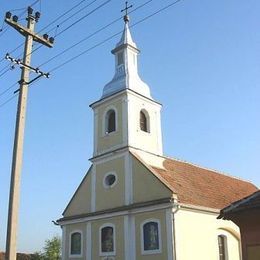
[(126, 116), (126, 69)]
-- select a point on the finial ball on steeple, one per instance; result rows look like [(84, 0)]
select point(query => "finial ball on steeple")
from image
[(126, 18)]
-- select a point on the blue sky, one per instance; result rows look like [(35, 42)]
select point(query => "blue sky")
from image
[(201, 61)]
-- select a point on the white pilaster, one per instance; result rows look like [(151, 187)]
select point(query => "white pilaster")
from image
[(89, 242), (93, 189), (128, 179), (127, 238), (63, 243), (132, 233)]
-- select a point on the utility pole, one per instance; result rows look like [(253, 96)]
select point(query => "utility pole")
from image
[(14, 196)]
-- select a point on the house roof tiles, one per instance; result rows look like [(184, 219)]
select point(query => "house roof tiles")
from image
[(198, 186)]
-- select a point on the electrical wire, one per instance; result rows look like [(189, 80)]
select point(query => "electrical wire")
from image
[(77, 21), (86, 15), (100, 43), (58, 18), (8, 100), (5, 91), (112, 36), (71, 16), (62, 15), (15, 95), (91, 35), (20, 14), (5, 71)]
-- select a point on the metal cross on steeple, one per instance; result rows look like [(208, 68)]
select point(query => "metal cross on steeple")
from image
[(126, 17)]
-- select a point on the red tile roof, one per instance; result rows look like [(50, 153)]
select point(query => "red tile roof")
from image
[(202, 187)]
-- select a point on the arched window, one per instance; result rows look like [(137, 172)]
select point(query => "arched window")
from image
[(107, 240), (110, 121), (75, 243), (144, 121), (151, 237), (222, 246)]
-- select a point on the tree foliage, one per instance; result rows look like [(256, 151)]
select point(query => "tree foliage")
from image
[(51, 250)]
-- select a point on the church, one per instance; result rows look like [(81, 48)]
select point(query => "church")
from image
[(134, 203)]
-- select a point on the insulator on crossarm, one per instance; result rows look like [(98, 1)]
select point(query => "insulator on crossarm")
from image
[(15, 18), (37, 16), (45, 36), (30, 10), (8, 15), (51, 40)]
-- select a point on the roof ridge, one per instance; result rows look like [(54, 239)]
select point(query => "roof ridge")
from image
[(198, 166), (208, 169)]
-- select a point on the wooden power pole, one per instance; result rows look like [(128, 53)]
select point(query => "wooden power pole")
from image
[(30, 37)]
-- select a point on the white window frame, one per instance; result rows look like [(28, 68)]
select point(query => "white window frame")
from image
[(151, 252), (81, 244), (105, 122), (104, 180), (114, 240)]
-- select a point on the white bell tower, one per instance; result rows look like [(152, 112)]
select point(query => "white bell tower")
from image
[(126, 116)]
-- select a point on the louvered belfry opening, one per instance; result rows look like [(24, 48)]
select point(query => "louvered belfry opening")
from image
[(111, 121), (143, 122)]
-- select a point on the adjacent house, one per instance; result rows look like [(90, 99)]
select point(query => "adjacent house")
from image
[(246, 214)]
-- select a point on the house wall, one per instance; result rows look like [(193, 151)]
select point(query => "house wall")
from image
[(110, 197), (146, 186), (127, 236), (150, 141), (102, 141), (249, 224), (80, 202), (196, 235)]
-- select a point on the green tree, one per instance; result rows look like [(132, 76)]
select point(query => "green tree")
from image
[(51, 250)]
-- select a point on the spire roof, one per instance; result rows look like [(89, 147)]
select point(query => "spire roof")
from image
[(126, 37), (126, 72)]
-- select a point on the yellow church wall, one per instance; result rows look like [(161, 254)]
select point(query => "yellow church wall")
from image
[(118, 222), (153, 215), (110, 197), (80, 202), (199, 231), (146, 186), (69, 230), (107, 141)]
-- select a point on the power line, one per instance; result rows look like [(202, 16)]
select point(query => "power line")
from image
[(59, 17), (77, 43), (20, 14), (7, 28), (104, 41), (84, 39), (18, 47), (6, 68), (112, 36), (8, 100), (5, 71), (77, 21), (83, 17), (71, 16), (13, 85), (92, 34), (62, 15)]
